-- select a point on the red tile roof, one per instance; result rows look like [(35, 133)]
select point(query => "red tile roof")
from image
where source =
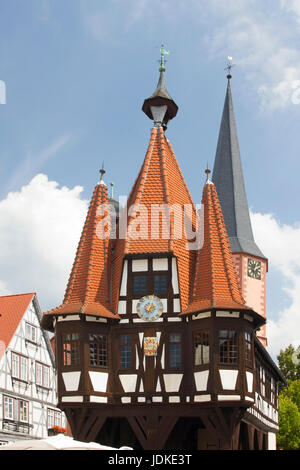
[(88, 287), (160, 181), (215, 284), (207, 278), (12, 309)]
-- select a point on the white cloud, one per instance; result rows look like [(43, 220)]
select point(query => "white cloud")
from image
[(40, 228), (280, 244), (291, 6)]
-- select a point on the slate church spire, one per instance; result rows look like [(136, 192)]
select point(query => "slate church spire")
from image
[(250, 263), (229, 181)]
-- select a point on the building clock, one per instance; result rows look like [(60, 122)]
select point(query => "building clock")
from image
[(149, 308), (254, 268)]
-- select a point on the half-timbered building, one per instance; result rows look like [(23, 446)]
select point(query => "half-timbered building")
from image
[(160, 339), (27, 372)]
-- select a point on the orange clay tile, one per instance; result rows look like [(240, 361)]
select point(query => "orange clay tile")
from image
[(87, 291), (160, 181), (215, 284), (12, 309)]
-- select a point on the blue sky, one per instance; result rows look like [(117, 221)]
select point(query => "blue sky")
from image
[(76, 75)]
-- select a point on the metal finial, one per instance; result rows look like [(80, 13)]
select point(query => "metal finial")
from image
[(112, 190), (229, 67), (208, 172), (102, 173), (163, 52)]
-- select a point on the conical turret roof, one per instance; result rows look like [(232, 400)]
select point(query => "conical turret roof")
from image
[(229, 181), (159, 185), (215, 283), (88, 289)]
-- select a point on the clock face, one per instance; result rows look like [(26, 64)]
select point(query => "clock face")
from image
[(149, 308), (254, 268)]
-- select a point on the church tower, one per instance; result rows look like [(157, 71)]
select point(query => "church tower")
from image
[(156, 345), (250, 263)]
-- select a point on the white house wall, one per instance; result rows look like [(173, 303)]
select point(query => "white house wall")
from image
[(39, 399)]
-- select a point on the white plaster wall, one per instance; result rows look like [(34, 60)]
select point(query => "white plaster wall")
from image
[(202, 398), (122, 307), (201, 379), (139, 265), (123, 289), (99, 380), (71, 380), (176, 306), (172, 382), (160, 264), (175, 276), (128, 382), (249, 376), (228, 378), (271, 441)]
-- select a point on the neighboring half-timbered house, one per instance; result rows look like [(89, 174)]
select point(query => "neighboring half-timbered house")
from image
[(156, 340), (27, 372)]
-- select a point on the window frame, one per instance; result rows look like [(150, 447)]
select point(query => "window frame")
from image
[(22, 361), (172, 351), (203, 334), (131, 348), (248, 349), (32, 328), (70, 352), (160, 275), (101, 353), (44, 367), (140, 275), (15, 414), (55, 419), (232, 355)]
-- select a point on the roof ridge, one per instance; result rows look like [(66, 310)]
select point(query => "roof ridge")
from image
[(100, 198), (211, 215), (180, 172), (17, 295), (141, 186), (163, 164)]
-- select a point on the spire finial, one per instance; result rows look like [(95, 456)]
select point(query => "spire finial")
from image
[(102, 173), (229, 66), (112, 190), (163, 52), (208, 172)]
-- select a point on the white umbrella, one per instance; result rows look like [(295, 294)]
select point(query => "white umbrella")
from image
[(58, 442)]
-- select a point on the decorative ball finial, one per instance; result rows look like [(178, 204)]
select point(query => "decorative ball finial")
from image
[(229, 66)]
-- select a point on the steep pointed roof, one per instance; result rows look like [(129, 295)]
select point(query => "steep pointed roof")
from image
[(88, 290), (12, 309), (229, 181), (160, 183), (215, 283)]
